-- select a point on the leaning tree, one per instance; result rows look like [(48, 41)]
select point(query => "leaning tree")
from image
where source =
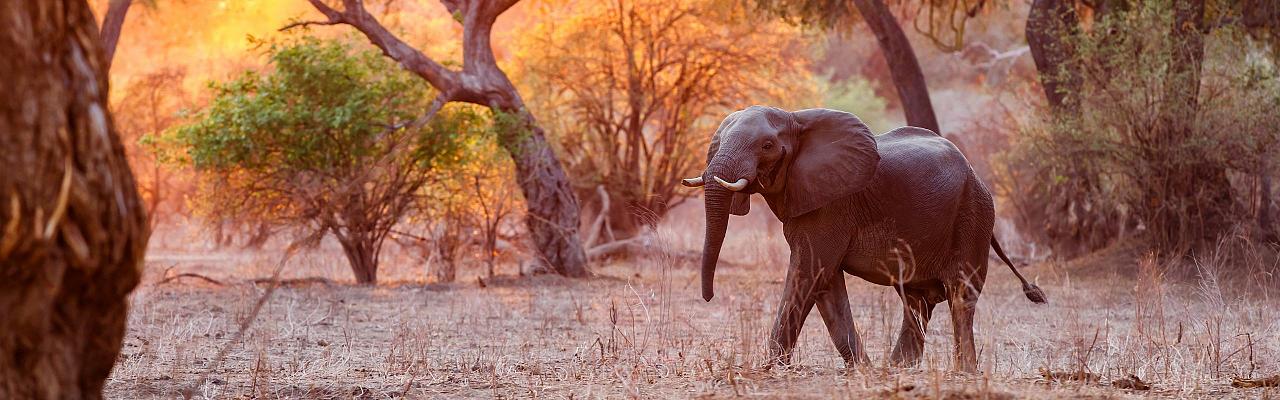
[(553, 212), (72, 227), (904, 68)]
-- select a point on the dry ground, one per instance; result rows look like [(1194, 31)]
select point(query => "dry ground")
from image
[(639, 329)]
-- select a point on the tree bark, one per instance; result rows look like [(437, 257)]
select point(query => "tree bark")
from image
[(72, 226), (1049, 24), (903, 65), (1269, 233), (553, 210), (1197, 193), (552, 207), (362, 256), (112, 24)]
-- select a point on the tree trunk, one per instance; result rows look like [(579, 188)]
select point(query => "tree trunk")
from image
[(1269, 233), (362, 256), (490, 249), (552, 208), (447, 271), (72, 226), (112, 24), (1049, 24), (903, 66), (1196, 194)]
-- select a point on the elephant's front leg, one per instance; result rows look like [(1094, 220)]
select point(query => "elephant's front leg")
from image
[(833, 305), (798, 295), (812, 266)]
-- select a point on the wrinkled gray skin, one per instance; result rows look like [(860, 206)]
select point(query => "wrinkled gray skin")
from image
[(903, 209)]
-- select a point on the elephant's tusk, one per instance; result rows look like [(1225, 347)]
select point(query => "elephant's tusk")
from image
[(736, 186), (692, 182)]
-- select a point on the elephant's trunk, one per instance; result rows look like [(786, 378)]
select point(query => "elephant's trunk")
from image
[(717, 209)]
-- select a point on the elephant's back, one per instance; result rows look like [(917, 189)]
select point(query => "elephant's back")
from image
[(922, 163)]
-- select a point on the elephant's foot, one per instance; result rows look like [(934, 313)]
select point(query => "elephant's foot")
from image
[(777, 358), (908, 351), (905, 359), (857, 359)]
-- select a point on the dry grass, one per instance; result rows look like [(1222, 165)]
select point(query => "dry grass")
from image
[(639, 330)]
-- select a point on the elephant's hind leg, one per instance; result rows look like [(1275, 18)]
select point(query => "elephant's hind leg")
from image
[(916, 311), (962, 299), (833, 305)]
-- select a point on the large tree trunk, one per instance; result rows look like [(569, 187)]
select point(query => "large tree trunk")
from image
[(552, 207), (1049, 24), (903, 66), (1268, 229), (362, 256), (112, 24), (1196, 194), (72, 226)]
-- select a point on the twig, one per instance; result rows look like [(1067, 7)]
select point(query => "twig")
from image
[(244, 325), (294, 282), (189, 275), (304, 24), (409, 235)]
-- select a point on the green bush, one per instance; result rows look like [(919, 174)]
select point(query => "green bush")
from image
[(324, 141), (1136, 152)]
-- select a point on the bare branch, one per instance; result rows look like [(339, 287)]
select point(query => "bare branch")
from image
[(244, 324), (358, 17), (434, 109), (296, 24)]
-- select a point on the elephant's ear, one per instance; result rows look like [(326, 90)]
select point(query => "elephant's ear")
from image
[(835, 156), (740, 204)]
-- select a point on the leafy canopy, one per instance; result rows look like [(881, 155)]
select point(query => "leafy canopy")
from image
[(324, 107)]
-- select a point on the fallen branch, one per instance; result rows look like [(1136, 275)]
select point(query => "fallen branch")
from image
[(294, 282), (190, 275), (1077, 376), (1272, 381), (1131, 382), (635, 245), (244, 325), (647, 245)]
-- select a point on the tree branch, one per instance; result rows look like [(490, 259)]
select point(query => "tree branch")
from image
[(598, 225), (296, 24), (435, 107), (112, 24), (355, 15)]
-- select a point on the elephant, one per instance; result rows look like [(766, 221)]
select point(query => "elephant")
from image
[(903, 209)]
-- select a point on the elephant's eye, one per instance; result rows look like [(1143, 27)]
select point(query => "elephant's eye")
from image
[(768, 146)]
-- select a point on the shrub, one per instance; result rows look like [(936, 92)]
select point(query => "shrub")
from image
[(1139, 151), (326, 142)]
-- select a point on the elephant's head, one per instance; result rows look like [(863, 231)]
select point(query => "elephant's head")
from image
[(799, 160)]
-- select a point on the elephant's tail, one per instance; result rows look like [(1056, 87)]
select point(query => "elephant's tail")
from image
[(1032, 291)]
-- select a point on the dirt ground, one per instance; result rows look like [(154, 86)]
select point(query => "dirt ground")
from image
[(640, 330)]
